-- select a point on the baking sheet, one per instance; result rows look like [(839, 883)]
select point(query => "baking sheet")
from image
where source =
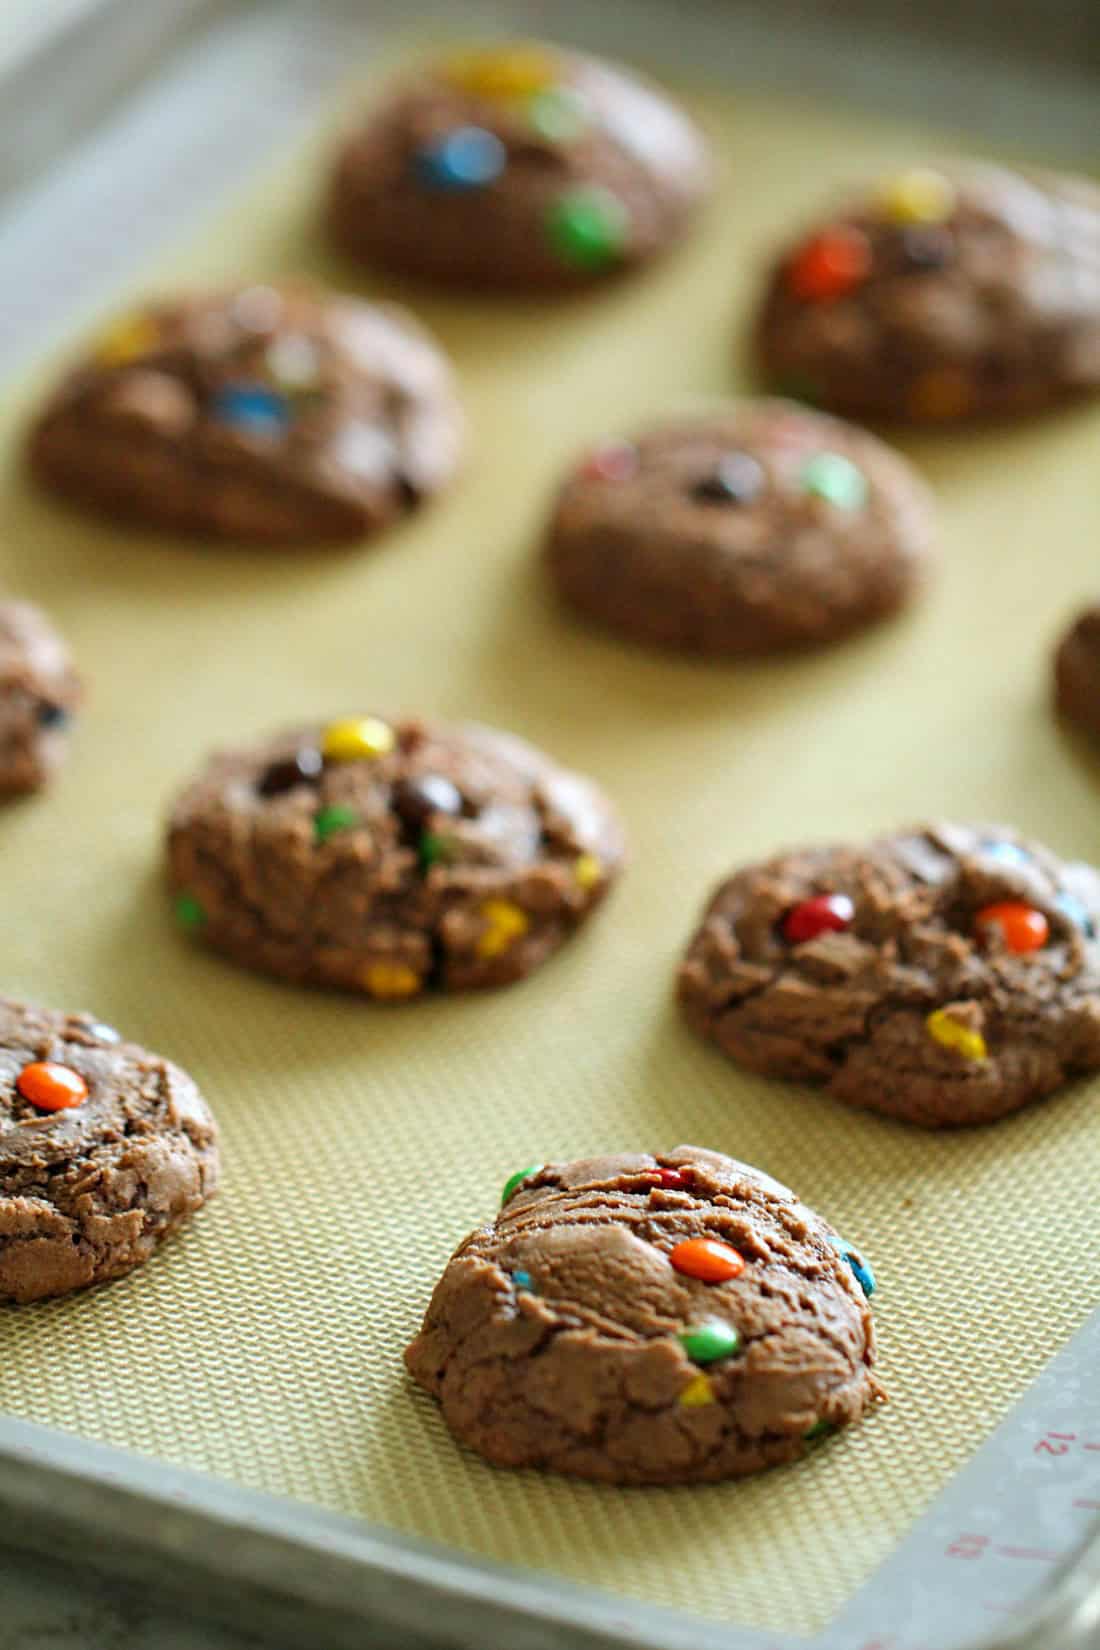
[(362, 1143)]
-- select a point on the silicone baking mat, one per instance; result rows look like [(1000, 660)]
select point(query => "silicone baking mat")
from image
[(361, 1143)]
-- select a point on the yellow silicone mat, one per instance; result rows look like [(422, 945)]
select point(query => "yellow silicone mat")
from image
[(361, 1143)]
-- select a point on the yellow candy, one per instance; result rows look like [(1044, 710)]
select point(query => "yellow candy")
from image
[(127, 340), (358, 739), (946, 1030), (918, 196), (697, 1393), (502, 72), (391, 980), (587, 870), (504, 924)]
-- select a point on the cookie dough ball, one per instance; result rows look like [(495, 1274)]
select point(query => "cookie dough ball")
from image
[(748, 530), (945, 976), (649, 1320), (39, 692), (390, 858), (105, 1149), (280, 416), (518, 166), (942, 296), (1077, 673)]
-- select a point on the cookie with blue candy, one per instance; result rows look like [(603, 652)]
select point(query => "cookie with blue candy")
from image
[(518, 166), (269, 414), (39, 694)]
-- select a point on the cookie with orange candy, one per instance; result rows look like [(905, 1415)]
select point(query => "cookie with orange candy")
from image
[(641, 1319), (946, 975), (105, 1150), (941, 295)]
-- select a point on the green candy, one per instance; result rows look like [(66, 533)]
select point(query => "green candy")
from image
[(433, 849), (189, 913), (514, 1180), (331, 820), (558, 115), (587, 227), (705, 1343), (836, 479), (820, 1429)]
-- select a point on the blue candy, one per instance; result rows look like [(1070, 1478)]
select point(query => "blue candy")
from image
[(864, 1276), (522, 1280), (251, 407), (467, 158), (1005, 853), (1071, 907)]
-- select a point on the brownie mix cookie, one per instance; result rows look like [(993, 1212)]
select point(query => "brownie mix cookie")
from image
[(945, 976), (747, 530), (105, 1150), (39, 692), (649, 1320), (518, 166), (942, 296), (1077, 673), (281, 416), (390, 858)]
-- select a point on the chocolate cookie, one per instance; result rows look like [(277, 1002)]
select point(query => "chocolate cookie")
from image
[(649, 1320), (282, 416), (518, 166), (751, 529), (39, 691), (105, 1150), (942, 296), (390, 858), (1077, 673), (945, 976)]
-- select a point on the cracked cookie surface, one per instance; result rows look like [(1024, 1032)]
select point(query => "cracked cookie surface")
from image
[(39, 692), (105, 1149), (277, 415), (942, 296), (946, 975), (518, 167), (579, 1332), (749, 529), (390, 858)]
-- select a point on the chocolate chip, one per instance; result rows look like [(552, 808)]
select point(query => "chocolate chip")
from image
[(303, 768), (925, 248), (52, 716), (735, 479), (417, 800)]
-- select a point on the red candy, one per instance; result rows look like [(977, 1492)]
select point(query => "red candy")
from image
[(824, 914), (616, 461), (1022, 928), (51, 1087), (674, 1180), (831, 265)]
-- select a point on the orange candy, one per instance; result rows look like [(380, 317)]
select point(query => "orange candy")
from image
[(1022, 927), (707, 1259), (830, 265), (51, 1087)]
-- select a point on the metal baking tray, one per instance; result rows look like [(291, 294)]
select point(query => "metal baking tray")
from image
[(149, 125)]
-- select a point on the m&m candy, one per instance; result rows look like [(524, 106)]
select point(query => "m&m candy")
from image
[(864, 1274), (613, 461), (128, 339), (517, 1179), (674, 1180), (708, 1259), (50, 1086), (502, 72), (330, 820), (1021, 928), (390, 980), (831, 265), (736, 479), (357, 739), (705, 1343), (251, 408), (919, 195), (587, 872), (504, 924), (588, 227), (467, 158), (697, 1393), (1074, 909), (189, 912), (824, 914), (836, 479), (944, 1028)]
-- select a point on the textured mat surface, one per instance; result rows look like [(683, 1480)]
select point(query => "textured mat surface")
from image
[(362, 1143)]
